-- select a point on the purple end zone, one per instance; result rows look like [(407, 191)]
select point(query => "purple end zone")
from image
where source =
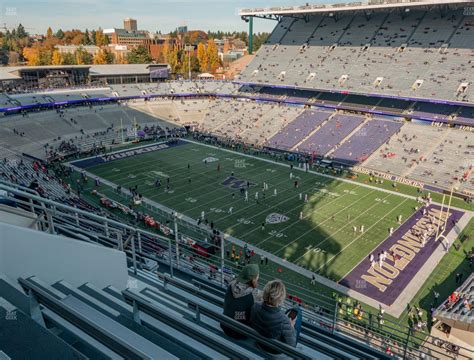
[(126, 153), (392, 288)]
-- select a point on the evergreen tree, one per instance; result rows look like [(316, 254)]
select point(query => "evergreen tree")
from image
[(20, 31), (139, 55), (60, 34), (86, 40)]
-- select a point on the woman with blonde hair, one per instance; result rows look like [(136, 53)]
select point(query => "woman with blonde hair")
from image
[(270, 321)]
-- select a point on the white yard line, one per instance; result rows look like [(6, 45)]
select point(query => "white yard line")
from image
[(321, 223), (324, 175), (396, 309), (370, 227), (350, 222), (295, 222)]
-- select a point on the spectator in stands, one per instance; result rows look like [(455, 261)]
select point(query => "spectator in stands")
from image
[(241, 295), (270, 321)]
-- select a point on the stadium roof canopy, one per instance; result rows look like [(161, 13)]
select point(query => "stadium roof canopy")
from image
[(341, 7), (123, 69), (15, 72)]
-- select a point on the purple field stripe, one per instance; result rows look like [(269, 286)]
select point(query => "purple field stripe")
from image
[(355, 281)]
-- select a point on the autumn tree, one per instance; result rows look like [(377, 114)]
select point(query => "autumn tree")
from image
[(100, 38), (103, 57), (31, 55), (49, 32), (212, 55), (68, 59), (56, 58), (202, 57), (82, 57), (173, 59)]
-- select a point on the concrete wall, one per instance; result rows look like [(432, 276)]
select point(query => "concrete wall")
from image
[(17, 216), (25, 252)]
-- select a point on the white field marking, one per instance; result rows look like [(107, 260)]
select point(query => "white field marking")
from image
[(309, 187), (327, 176), (225, 196), (321, 223), (345, 247), (201, 205), (121, 178), (293, 223), (180, 193), (350, 222), (244, 208), (115, 152), (329, 235), (286, 199)]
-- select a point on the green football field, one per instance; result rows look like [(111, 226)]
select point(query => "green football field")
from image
[(317, 234)]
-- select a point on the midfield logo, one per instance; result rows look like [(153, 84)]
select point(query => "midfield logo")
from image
[(210, 159), (275, 218), (234, 183)]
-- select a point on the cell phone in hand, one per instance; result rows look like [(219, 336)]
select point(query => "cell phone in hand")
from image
[(292, 314)]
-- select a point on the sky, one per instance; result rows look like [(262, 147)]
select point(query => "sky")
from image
[(152, 15)]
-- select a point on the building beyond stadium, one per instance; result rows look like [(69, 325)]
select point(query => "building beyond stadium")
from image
[(55, 76)]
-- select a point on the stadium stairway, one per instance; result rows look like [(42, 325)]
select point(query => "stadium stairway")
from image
[(196, 291), (312, 132), (156, 317)]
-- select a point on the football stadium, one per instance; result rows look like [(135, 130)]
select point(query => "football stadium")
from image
[(338, 165)]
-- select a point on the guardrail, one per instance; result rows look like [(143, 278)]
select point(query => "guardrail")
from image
[(142, 246)]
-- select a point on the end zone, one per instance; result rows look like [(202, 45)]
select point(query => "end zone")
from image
[(406, 256)]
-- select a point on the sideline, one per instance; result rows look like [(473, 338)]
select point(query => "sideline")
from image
[(399, 305)]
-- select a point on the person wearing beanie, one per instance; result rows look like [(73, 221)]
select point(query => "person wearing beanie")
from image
[(240, 296)]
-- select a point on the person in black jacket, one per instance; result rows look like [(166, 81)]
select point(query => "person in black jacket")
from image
[(270, 321), (241, 294)]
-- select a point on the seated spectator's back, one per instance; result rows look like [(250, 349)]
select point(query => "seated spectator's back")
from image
[(241, 294)]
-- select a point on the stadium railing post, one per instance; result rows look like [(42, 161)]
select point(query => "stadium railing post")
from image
[(170, 256), (406, 343), (136, 313), (134, 256), (334, 322), (50, 222), (35, 309), (176, 240), (119, 241), (222, 261), (139, 239), (32, 208)]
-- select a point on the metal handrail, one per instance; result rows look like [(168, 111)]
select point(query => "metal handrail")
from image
[(140, 247)]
